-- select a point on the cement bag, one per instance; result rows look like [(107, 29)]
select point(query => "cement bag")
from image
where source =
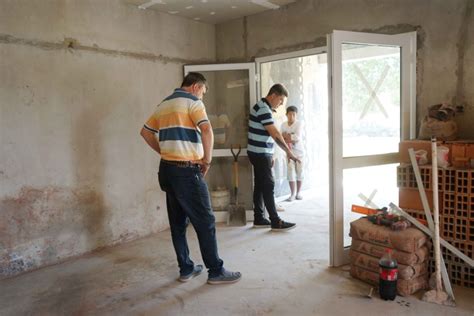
[(442, 130), (408, 240), (406, 258), (372, 264), (404, 287)]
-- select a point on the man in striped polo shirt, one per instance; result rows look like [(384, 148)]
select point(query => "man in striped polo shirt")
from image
[(185, 142), (262, 137)]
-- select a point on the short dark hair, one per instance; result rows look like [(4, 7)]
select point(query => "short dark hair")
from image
[(278, 89), (192, 78), (291, 108)]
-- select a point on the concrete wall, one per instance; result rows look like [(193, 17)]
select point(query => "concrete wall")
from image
[(445, 40), (77, 81)]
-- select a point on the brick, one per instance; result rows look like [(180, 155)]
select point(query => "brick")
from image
[(403, 176), (410, 199), (469, 151), (418, 214), (458, 155), (462, 181), (462, 206), (406, 177), (461, 274), (449, 204), (403, 147), (426, 177), (440, 179), (470, 184), (465, 247), (449, 180), (461, 231), (470, 231), (416, 145), (471, 206), (447, 227)]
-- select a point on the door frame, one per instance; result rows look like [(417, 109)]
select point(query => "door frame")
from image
[(337, 163)]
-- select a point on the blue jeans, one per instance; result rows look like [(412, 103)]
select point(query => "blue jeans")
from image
[(187, 199)]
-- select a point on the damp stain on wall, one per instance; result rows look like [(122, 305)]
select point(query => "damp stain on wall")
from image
[(41, 226)]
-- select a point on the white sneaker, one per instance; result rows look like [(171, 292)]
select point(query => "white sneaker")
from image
[(299, 197), (279, 208), (290, 199)]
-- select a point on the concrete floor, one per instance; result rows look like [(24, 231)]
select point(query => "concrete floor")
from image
[(283, 274)]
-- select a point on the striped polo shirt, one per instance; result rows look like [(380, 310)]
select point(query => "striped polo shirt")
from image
[(259, 140), (176, 123)]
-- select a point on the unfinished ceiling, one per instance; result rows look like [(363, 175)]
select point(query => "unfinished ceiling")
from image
[(210, 11)]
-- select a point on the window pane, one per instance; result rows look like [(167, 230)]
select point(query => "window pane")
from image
[(371, 99), (365, 180), (227, 105)]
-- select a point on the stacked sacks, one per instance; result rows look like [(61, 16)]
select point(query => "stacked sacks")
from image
[(410, 249)]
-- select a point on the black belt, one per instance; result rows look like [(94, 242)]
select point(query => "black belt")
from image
[(182, 164)]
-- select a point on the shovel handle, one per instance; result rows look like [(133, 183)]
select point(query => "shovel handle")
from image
[(236, 155), (236, 174)]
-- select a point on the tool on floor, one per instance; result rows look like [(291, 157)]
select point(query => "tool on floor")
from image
[(236, 213), (436, 295)]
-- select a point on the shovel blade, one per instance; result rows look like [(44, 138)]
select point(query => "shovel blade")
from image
[(236, 215)]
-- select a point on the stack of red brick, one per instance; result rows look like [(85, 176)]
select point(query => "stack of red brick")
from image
[(456, 201)]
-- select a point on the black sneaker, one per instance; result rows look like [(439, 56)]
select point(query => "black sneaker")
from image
[(225, 277), (196, 271), (282, 226), (262, 223)]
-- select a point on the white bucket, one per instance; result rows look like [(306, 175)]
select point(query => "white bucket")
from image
[(220, 199)]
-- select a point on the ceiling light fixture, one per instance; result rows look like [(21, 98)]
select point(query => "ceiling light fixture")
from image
[(266, 4), (148, 4), (212, 13), (189, 7)]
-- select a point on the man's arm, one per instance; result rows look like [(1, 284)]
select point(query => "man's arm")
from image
[(275, 134), (207, 137), (150, 139)]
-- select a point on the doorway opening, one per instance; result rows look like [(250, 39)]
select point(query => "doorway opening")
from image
[(305, 75)]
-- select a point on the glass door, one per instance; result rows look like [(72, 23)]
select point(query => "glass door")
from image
[(372, 95)]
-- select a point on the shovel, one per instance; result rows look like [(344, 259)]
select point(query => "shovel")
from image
[(236, 213)]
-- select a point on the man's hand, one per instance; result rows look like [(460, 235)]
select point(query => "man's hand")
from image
[(150, 139), (292, 156), (203, 165), (286, 137)]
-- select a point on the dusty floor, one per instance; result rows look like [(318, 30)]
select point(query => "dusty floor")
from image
[(283, 274)]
